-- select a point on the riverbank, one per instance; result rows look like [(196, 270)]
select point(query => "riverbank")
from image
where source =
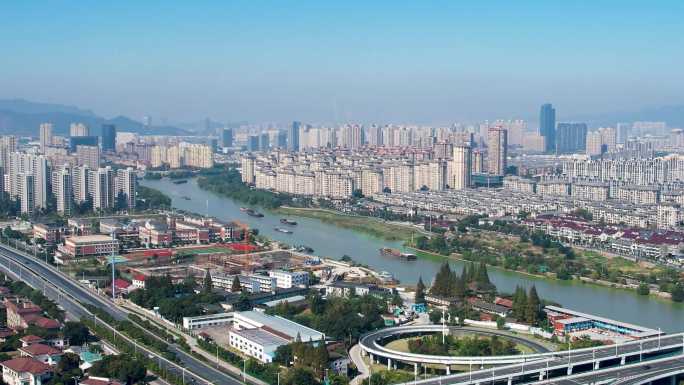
[(658, 295), (368, 225), (333, 242)]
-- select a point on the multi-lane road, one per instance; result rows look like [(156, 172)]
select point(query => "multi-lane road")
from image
[(70, 295)]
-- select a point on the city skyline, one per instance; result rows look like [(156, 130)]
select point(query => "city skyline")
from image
[(426, 64)]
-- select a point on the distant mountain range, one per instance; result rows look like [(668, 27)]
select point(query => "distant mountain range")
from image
[(23, 117)]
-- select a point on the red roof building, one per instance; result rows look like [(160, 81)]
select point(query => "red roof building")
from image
[(99, 381), (25, 370)]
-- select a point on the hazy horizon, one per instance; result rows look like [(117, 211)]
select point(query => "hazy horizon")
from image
[(422, 63)]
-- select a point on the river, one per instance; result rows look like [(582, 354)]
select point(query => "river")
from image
[(331, 241)]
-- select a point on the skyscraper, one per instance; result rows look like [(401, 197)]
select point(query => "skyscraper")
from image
[(62, 188), (293, 136), (547, 126), (227, 137), (78, 129), (101, 185), (498, 151), (108, 138), (264, 142), (45, 136), (26, 189), (461, 167), (253, 143), (126, 184), (88, 156), (570, 137)]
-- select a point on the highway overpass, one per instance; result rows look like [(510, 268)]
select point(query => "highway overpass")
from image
[(71, 296)]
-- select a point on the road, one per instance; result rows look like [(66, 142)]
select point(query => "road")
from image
[(371, 342), (68, 294), (628, 375), (357, 359), (513, 371)]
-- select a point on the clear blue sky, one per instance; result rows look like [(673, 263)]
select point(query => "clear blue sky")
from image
[(384, 61)]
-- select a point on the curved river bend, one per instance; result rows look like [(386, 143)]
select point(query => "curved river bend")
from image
[(331, 241)]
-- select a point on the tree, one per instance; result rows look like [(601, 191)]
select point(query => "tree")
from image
[(68, 362), (420, 291), (76, 333), (243, 303), (236, 287), (397, 300), (519, 303), (122, 366), (316, 304), (678, 292), (299, 376), (435, 316), (208, 284), (643, 289), (501, 323), (283, 355), (532, 307)]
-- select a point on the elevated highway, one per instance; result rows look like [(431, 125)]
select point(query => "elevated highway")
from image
[(636, 356), (72, 296)]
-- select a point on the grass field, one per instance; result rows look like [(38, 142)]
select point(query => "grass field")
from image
[(372, 226), (203, 250)]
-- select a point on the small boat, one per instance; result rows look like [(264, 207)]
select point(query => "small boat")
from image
[(286, 231), (388, 252), (181, 181), (304, 249), (386, 276), (286, 221), (187, 198), (251, 212)]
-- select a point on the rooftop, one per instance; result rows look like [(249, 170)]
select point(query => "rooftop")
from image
[(27, 364), (90, 238), (282, 325), (262, 337)]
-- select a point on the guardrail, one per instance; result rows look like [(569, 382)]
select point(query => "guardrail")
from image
[(369, 344), (78, 304)]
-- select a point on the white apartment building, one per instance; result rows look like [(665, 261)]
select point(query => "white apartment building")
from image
[(80, 183), (62, 188), (553, 187), (592, 191), (517, 183), (88, 156), (247, 170), (126, 183), (101, 186), (638, 194), (289, 279), (461, 168)]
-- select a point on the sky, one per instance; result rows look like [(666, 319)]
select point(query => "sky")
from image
[(423, 62)]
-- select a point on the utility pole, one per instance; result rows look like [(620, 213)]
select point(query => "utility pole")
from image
[(113, 268)]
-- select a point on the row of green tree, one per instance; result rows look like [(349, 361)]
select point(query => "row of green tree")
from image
[(228, 182), (473, 346), (175, 301)]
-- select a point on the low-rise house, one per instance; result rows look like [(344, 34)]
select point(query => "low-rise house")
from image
[(21, 315), (80, 226), (25, 371), (43, 353), (139, 281), (85, 246), (91, 380), (50, 232), (155, 234), (30, 339), (345, 289), (490, 308)]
